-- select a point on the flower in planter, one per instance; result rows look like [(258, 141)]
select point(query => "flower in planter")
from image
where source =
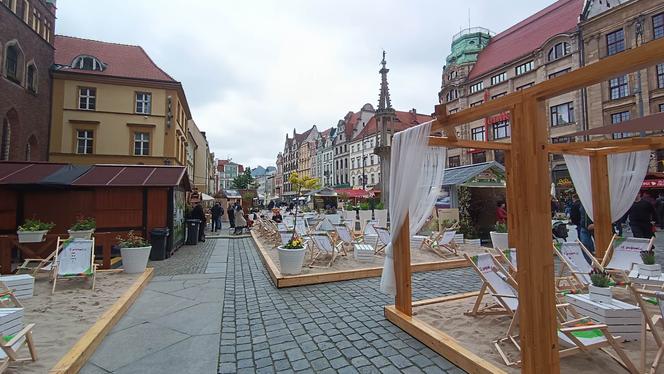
[(83, 224), (648, 257), (295, 243), (132, 240), (599, 278), (36, 225), (501, 227)]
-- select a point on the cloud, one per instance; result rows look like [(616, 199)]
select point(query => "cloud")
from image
[(254, 70)]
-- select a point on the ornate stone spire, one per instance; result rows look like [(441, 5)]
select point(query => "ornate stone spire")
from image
[(384, 102)]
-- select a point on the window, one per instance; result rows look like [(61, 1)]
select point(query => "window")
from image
[(618, 87), (498, 95), (32, 78), (477, 87), (453, 161), (141, 144), (478, 134), (452, 74), (524, 68), (527, 85), (87, 99), (559, 73), (562, 139), (501, 130), (478, 157), (143, 102), (26, 11), (562, 114), (352, 163), (658, 26), (617, 118), (615, 42), (476, 103), (660, 75), (11, 63), (4, 144), (452, 95), (452, 111), (559, 50), (11, 4), (87, 63), (661, 107), (84, 139), (498, 78)]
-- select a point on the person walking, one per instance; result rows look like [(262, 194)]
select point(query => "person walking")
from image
[(240, 222), (217, 211), (641, 216), (575, 214), (199, 214), (231, 215), (501, 213), (586, 230)]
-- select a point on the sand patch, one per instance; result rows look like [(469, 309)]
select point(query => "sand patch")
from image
[(61, 319), (477, 334)]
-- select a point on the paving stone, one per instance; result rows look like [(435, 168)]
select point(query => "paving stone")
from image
[(338, 362)]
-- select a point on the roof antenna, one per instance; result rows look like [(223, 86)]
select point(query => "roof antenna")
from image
[(468, 18)]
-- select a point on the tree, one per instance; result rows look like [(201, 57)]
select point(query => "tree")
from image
[(301, 183), (244, 181)]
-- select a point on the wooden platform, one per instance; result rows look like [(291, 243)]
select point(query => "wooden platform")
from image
[(79, 354), (438, 341), (282, 281)]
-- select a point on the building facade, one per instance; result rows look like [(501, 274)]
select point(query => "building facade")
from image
[(198, 156), (324, 157), (609, 30), (279, 175), (227, 170), (292, 156), (26, 54), (483, 66), (106, 110), (346, 130)]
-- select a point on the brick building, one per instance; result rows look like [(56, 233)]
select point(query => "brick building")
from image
[(26, 53)]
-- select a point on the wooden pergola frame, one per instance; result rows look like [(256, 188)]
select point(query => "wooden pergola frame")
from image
[(529, 222)]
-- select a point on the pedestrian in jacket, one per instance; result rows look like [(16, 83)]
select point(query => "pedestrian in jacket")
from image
[(240, 222), (641, 216), (217, 211), (199, 214), (231, 215)]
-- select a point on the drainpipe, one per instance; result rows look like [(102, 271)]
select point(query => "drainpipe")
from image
[(584, 92)]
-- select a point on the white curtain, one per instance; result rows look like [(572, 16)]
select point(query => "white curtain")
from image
[(416, 175), (626, 174)]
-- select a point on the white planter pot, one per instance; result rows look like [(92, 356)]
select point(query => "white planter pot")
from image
[(31, 236), (134, 260), (600, 294), (654, 270), (476, 242), (499, 240), (81, 234), (291, 260)]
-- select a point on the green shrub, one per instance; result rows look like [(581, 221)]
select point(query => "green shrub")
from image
[(35, 225)]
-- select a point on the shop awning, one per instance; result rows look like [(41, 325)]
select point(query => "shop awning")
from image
[(231, 194), (653, 183), (206, 197), (356, 194), (486, 174)]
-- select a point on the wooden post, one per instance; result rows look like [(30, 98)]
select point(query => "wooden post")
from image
[(401, 252), (531, 220), (5, 254), (599, 182), (510, 200)]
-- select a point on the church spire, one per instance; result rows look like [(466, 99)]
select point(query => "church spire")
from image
[(384, 102)]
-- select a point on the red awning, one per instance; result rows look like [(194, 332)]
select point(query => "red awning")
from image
[(356, 194), (653, 183)]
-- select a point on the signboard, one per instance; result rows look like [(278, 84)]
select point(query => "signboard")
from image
[(488, 178), (178, 217), (653, 183), (564, 182), (75, 257)]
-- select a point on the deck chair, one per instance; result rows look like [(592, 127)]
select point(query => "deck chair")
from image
[(623, 254), (499, 284), (346, 237), (571, 254), (11, 342), (301, 228), (438, 242), (7, 298), (75, 260), (653, 321), (289, 221), (508, 258), (282, 226), (321, 245), (285, 236), (33, 266), (325, 225), (369, 233), (383, 240)]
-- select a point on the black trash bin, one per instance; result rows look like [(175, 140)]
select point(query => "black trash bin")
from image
[(159, 241), (193, 225)]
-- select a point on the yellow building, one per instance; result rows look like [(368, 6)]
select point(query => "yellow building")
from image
[(113, 104)]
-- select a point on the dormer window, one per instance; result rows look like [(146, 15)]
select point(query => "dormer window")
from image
[(88, 63)]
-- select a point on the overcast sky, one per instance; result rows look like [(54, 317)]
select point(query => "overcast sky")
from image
[(255, 70)]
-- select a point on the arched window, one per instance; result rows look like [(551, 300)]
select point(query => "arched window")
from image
[(31, 78), (31, 149), (452, 95), (559, 50), (13, 62), (4, 144), (88, 63)]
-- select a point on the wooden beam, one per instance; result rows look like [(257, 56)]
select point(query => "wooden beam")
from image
[(531, 209), (621, 144), (510, 200), (646, 55), (438, 141), (402, 271), (599, 182)]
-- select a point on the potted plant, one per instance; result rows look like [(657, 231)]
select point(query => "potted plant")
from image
[(33, 231), (291, 255), (499, 236), (135, 251), (82, 228), (649, 268), (599, 291)]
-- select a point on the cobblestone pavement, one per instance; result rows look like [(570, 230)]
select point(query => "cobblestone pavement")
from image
[(189, 259), (328, 328)]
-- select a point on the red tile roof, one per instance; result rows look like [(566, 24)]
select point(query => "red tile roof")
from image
[(527, 35), (351, 120), (121, 60), (404, 120)]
